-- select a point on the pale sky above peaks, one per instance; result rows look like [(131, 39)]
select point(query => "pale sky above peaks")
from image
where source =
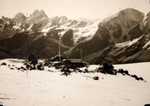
[(71, 8)]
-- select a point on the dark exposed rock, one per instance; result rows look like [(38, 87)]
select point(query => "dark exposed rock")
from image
[(4, 63), (96, 78), (123, 72), (12, 68), (114, 29), (126, 53), (125, 25), (17, 41), (42, 47), (20, 18), (67, 38), (137, 78)]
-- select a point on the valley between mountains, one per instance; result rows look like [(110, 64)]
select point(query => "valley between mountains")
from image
[(122, 37)]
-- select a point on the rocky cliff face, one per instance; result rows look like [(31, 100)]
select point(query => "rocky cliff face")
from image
[(19, 18), (127, 52), (146, 23), (36, 16), (122, 26), (6, 27), (67, 38), (42, 47), (119, 25), (57, 21), (98, 40)]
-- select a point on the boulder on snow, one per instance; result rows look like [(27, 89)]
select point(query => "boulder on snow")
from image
[(3, 63), (123, 72), (12, 68), (137, 78), (96, 78)]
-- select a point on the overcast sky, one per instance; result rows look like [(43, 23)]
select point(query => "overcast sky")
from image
[(71, 8)]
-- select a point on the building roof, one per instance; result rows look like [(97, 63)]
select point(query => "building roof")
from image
[(75, 60)]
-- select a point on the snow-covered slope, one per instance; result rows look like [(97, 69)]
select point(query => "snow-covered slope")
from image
[(137, 50), (122, 26), (125, 27), (36, 16), (81, 28), (46, 88), (20, 18), (146, 22)]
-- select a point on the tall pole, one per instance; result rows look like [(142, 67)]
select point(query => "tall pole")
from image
[(59, 49), (81, 54)]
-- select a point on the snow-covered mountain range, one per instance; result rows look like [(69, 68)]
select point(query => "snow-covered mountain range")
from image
[(126, 30)]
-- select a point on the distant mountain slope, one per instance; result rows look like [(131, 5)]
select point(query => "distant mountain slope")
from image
[(98, 40), (36, 16), (6, 53), (20, 18), (119, 27), (146, 22), (16, 41), (6, 27), (42, 47), (137, 50), (120, 24)]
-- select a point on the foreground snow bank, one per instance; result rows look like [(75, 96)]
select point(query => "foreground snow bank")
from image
[(140, 69), (44, 88)]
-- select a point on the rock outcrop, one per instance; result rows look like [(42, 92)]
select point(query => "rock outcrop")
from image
[(20, 18), (122, 26)]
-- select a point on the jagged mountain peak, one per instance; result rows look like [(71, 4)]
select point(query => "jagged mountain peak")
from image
[(92, 36), (120, 24), (39, 12), (123, 25), (64, 17), (19, 18), (36, 11), (126, 12), (36, 16), (19, 14), (58, 20)]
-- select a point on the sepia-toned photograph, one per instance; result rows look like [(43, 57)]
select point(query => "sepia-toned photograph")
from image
[(74, 52)]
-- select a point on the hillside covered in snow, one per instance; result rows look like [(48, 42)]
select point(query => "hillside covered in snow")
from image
[(49, 87)]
